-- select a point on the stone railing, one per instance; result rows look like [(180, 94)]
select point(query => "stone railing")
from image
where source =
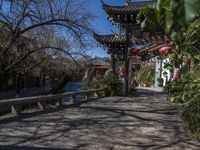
[(14, 105)]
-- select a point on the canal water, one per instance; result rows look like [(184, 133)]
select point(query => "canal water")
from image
[(35, 91), (74, 87)]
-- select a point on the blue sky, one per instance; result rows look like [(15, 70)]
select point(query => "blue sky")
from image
[(101, 25)]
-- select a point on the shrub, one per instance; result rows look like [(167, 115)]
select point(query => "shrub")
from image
[(113, 84), (187, 92), (146, 74)]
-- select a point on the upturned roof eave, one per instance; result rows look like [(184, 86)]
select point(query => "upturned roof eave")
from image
[(126, 9), (110, 38)]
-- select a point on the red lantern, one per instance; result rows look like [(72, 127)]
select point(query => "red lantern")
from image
[(134, 51), (122, 74), (165, 50)]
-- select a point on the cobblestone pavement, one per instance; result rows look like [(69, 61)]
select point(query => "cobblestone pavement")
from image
[(145, 121)]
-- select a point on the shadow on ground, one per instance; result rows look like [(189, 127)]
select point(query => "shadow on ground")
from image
[(143, 121)]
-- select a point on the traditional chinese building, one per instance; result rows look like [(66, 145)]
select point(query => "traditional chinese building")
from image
[(130, 35), (98, 68)]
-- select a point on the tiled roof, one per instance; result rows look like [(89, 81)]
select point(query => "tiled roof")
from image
[(112, 38), (131, 8), (121, 39), (101, 64)]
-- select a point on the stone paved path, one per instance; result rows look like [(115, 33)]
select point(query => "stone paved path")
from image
[(143, 122)]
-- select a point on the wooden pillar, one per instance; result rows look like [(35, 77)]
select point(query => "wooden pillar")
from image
[(113, 61), (161, 67), (126, 60), (97, 72)]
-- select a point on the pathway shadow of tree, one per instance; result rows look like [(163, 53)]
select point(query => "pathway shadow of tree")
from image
[(117, 126), (27, 148)]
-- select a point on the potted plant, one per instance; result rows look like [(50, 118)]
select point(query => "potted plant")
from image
[(160, 82)]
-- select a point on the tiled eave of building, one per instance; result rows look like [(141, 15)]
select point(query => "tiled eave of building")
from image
[(159, 46), (151, 53), (110, 40), (155, 47), (156, 39), (131, 8), (117, 43)]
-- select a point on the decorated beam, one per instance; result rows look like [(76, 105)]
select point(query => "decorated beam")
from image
[(154, 39), (156, 50)]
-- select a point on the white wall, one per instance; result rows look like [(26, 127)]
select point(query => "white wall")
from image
[(160, 64)]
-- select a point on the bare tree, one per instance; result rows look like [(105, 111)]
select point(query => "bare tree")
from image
[(41, 27)]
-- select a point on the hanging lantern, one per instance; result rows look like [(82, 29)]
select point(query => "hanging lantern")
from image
[(135, 51), (165, 50), (122, 74)]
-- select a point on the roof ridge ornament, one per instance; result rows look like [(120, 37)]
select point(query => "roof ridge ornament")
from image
[(104, 5)]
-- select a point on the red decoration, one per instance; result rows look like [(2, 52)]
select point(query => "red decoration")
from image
[(165, 50), (135, 51), (122, 74)]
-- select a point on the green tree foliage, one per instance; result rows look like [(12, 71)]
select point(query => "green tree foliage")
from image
[(187, 92), (170, 15), (180, 20), (190, 47)]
